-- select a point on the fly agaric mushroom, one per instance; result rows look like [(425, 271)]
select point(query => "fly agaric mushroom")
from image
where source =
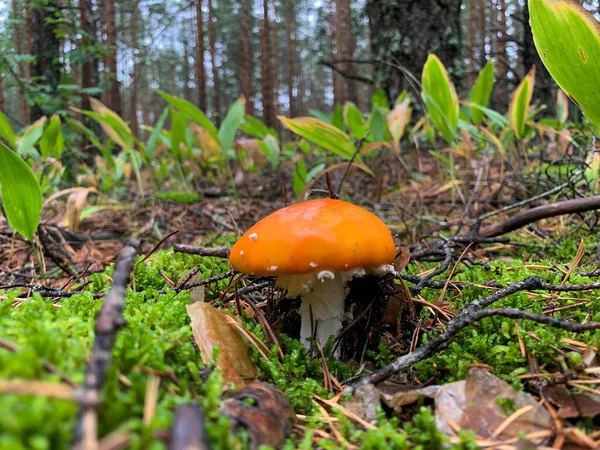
[(314, 249)]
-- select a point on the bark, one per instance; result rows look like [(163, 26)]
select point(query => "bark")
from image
[(346, 48), (200, 70), (246, 56), (266, 75), (213, 57), (544, 84), (45, 46), (275, 60), (482, 32), (335, 36), (87, 25), (134, 47), (406, 31), (290, 50), (2, 99), (501, 56), (114, 99), (187, 93), (24, 112), (471, 42)]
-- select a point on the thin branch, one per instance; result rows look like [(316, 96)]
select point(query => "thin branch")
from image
[(202, 251), (109, 321), (189, 430), (347, 75)]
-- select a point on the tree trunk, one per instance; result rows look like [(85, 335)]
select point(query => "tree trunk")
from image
[(290, 50), (246, 56), (544, 84), (45, 46), (87, 25), (187, 93), (335, 38), (471, 42), (266, 75), (134, 47), (24, 113), (114, 100), (406, 31), (2, 99), (346, 47), (200, 70), (213, 57), (501, 56), (482, 33), (275, 60)]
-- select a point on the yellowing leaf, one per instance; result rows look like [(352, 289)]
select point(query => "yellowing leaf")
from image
[(519, 104), (482, 91), (567, 38), (440, 98), (397, 120), (212, 327), (321, 133), (209, 145)]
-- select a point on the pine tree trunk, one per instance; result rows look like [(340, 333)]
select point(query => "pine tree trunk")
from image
[(24, 112), (86, 23), (266, 75), (482, 32), (114, 100), (336, 36), (275, 60), (290, 47), (45, 46), (406, 31), (246, 57), (187, 92), (501, 56), (213, 57), (134, 47), (200, 70), (471, 42), (346, 48), (2, 98)]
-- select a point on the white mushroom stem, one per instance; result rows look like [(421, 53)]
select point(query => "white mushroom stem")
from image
[(324, 293)]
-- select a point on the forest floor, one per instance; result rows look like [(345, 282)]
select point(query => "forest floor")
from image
[(530, 377)]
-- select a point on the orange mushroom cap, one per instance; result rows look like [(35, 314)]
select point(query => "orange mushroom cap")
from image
[(316, 235)]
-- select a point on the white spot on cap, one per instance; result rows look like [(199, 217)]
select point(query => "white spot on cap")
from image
[(271, 269), (325, 274), (241, 252), (253, 237), (313, 264)]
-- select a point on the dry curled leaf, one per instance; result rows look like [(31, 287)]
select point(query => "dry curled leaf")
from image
[(472, 404), (264, 411), (212, 327)]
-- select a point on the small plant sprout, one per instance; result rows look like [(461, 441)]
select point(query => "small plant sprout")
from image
[(314, 249)]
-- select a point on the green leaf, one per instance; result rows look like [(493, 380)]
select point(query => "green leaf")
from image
[(337, 120), (254, 127), (379, 100), (519, 104), (178, 126), (52, 142), (354, 121), (299, 180), (153, 139), (377, 125), (191, 111), (482, 91), (6, 131), (322, 134), (270, 148), (21, 193), (320, 115), (567, 38), (495, 117), (231, 123), (32, 134), (440, 98)]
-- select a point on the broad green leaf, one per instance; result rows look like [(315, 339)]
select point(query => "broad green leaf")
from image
[(113, 126), (299, 180), (482, 91), (6, 131), (377, 124), (567, 38), (178, 126), (21, 193), (354, 121), (379, 99), (153, 139), (519, 104), (337, 120), (269, 146), (52, 142), (322, 134), (254, 127), (495, 117), (440, 98), (320, 115), (231, 123), (32, 134), (191, 111)]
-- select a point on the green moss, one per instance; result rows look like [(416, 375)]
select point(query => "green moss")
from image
[(185, 198)]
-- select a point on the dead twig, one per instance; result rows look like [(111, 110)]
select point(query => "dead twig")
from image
[(189, 431), (108, 323), (217, 252)]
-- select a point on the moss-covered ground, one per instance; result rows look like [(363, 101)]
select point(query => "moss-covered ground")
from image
[(157, 339)]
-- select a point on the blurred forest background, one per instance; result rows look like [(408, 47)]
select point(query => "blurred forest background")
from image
[(285, 56)]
